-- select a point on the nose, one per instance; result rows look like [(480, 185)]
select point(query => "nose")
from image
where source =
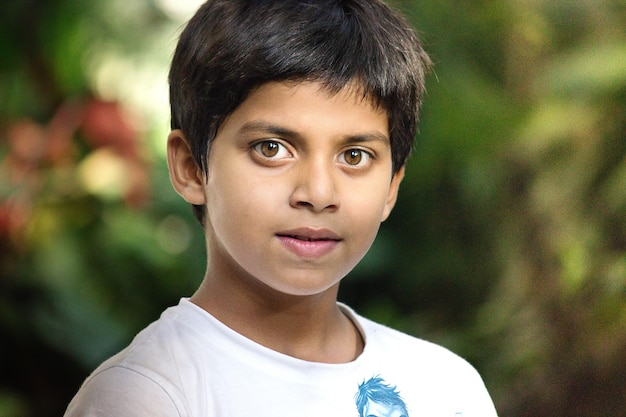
[(315, 187)]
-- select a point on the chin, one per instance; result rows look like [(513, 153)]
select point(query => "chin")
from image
[(306, 289)]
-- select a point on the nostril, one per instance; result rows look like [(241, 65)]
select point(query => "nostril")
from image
[(315, 191), (302, 204)]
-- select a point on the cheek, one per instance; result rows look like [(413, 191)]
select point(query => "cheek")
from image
[(233, 190), (368, 205), (238, 207), (362, 222)]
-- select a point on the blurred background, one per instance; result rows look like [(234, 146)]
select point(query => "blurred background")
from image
[(508, 243)]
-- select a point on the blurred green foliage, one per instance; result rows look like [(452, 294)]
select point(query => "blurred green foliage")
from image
[(508, 243)]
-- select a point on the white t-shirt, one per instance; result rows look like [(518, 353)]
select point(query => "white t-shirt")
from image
[(188, 363)]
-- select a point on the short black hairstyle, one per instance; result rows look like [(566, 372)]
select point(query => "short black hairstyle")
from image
[(231, 47)]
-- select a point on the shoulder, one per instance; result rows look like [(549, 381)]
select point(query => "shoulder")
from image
[(414, 355), (382, 338), (141, 380), (116, 390), (430, 377)]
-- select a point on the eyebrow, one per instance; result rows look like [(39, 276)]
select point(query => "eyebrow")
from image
[(274, 129)]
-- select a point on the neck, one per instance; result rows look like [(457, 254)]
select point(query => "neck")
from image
[(311, 328)]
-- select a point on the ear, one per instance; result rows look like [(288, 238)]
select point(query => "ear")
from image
[(185, 175), (392, 196)]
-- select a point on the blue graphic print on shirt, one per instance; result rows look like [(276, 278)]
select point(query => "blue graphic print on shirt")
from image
[(376, 398)]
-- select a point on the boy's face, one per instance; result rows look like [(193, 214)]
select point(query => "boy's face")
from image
[(298, 184)]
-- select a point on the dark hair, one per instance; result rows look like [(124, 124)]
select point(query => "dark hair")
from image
[(231, 47)]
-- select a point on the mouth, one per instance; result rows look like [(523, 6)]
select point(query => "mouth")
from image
[(310, 235), (309, 243), (308, 238)]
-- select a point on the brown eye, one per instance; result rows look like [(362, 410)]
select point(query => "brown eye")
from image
[(353, 156), (269, 149), (356, 158)]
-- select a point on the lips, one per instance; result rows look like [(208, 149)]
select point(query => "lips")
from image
[(309, 242), (305, 238)]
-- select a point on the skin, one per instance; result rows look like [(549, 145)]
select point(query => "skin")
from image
[(298, 183)]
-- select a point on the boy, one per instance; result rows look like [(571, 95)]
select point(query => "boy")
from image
[(291, 124)]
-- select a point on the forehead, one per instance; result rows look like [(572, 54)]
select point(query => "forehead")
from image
[(305, 104), (353, 90)]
